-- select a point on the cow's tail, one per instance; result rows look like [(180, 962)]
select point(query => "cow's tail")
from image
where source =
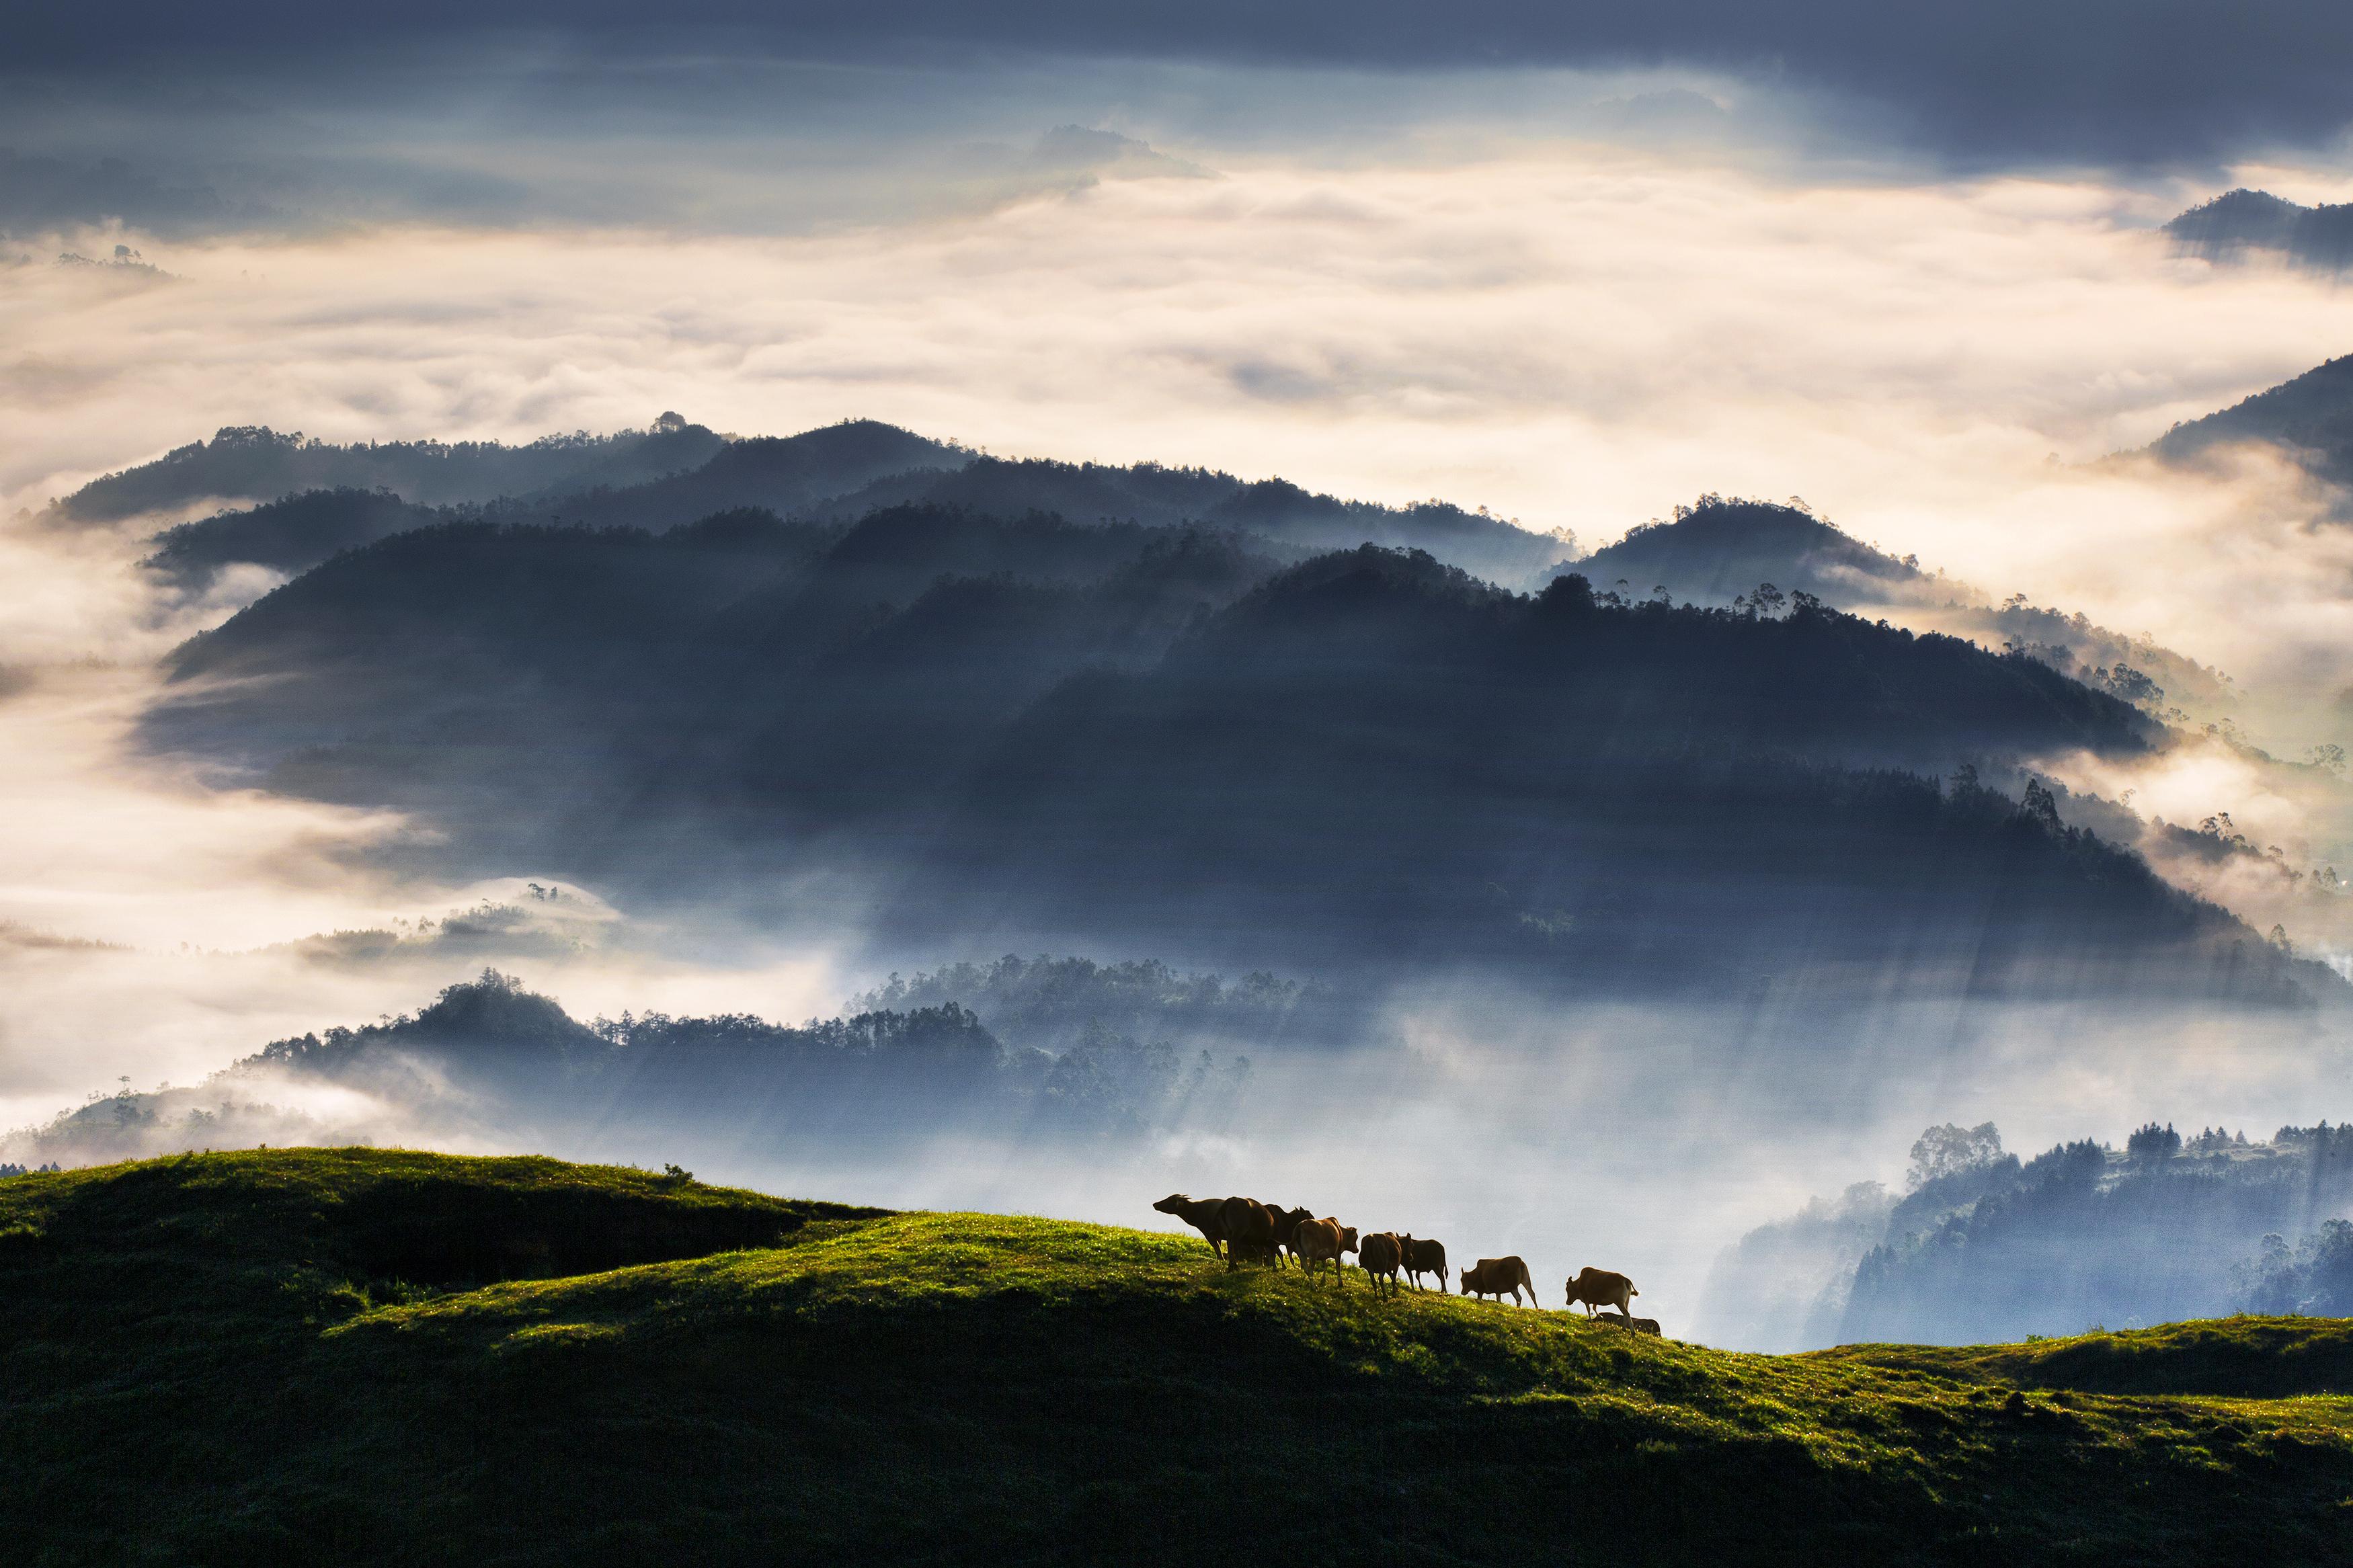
[(1631, 1291)]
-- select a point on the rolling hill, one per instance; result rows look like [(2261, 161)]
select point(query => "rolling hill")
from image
[(391, 1358)]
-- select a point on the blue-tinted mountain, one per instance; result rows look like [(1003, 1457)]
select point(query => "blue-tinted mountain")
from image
[(2310, 417), (1721, 550), (254, 463), (2238, 221), (287, 535), (835, 474), (989, 733)]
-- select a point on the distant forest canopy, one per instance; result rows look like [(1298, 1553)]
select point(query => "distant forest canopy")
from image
[(1724, 549), (1721, 548), (1055, 1003), (2310, 417), (254, 463), (1983, 1246), (491, 1056), (315, 498), (1013, 729), (2238, 221)]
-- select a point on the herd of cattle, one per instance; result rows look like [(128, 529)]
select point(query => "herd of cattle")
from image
[(1243, 1230)]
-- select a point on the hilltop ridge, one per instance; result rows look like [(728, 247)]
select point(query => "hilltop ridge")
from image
[(959, 1386)]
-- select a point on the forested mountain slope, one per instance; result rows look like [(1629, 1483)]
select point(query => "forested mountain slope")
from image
[(2310, 416), (1721, 550), (2239, 221), (318, 498), (489, 1058), (1005, 732), (2169, 1225), (253, 463), (1727, 550)]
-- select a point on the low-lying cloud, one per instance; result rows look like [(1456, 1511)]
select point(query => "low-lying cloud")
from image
[(1575, 337)]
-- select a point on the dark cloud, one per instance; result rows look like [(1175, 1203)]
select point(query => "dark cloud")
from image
[(2093, 79)]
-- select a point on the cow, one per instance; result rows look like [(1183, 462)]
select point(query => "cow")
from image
[(1423, 1257), (1381, 1256), (1249, 1229), (1499, 1276), (1286, 1228), (1600, 1288), (1325, 1241), (1202, 1213), (1631, 1325)]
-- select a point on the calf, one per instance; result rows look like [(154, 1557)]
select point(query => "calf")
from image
[(1600, 1288), (1202, 1213), (1381, 1256), (1423, 1257), (1499, 1276)]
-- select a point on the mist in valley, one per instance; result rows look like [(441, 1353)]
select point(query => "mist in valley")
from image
[(1194, 545)]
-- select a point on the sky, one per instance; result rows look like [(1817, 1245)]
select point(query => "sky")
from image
[(1575, 263)]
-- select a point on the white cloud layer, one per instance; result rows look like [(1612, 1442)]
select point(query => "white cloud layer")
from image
[(1571, 336)]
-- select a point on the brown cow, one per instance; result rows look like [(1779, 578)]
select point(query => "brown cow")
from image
[(1423, 1257), (1325, 1241), (1286, 1229), (1601, 1288), (1249, 1229), (1381, 1256), (1500, 1276), (1202, 1213), (1632, 1325)]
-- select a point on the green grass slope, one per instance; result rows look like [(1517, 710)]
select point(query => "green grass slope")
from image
[(269, 1357)]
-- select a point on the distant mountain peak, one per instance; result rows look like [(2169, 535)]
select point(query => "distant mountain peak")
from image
[(2238, 221), (1723, 546)]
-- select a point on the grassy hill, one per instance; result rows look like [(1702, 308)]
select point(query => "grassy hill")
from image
[(310, 1355)]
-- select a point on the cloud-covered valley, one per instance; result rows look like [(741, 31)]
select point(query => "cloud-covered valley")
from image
[(1571, 333)]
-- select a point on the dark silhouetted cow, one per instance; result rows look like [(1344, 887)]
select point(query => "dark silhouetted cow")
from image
[(1423, 1257), (1204, 1215), (1381, 1256)]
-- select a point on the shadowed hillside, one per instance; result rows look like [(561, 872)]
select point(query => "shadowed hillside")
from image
[(2311, 417), (960, 1387), (1439, 773), (1008, 732), (253, 463), (1107, 1059), (320, 499), (1729, 551)]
